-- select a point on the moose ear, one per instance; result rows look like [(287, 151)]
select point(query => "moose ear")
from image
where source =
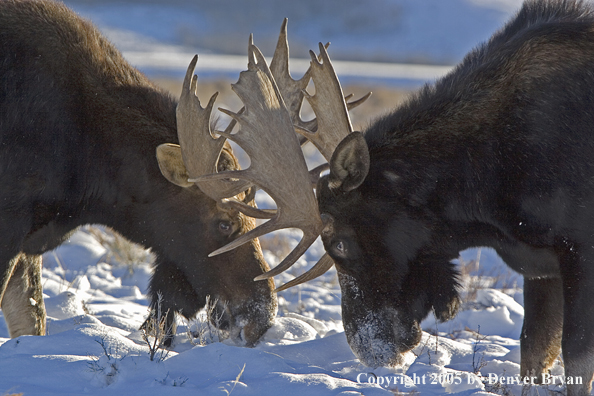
[(172, 165), (227, 161), (349, 164)]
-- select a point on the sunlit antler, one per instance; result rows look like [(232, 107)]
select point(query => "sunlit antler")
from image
[(292, 91), (322, 266), (277, 165), (273, 101), (331, 125), (332, 111), (200, 149)]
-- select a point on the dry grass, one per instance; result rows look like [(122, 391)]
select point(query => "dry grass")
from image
[(119, 249), (154, 331), (205, 328), (475, 277)]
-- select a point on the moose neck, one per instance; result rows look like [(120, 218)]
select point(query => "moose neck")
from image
[(438, 157), (121, 171)]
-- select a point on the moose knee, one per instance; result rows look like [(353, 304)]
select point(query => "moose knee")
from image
[(22, 304)]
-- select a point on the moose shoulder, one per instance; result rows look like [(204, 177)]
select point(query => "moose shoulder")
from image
[(79, 129), (497, 153)]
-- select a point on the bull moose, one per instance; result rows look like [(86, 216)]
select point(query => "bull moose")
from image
[(80, 133), (497, 153)]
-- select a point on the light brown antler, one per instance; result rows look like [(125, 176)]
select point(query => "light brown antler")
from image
[(332, 123), (292, 91), (200, 148), (322, 266), (324, 102), (277, 165)]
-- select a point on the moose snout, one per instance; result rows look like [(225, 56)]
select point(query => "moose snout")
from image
[(244, 323), (380, 339)]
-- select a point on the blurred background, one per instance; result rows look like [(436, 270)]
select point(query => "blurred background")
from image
[(420, 32), (389, 47)]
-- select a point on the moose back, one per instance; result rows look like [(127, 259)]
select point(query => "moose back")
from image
[(79, 129)]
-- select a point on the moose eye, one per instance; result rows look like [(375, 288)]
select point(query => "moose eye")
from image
[(340, 249), (225, 227)]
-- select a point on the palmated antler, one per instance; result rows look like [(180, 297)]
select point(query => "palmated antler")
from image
[(326, 136), (273, 101), (277, 166), (332, 123), (200, 148)]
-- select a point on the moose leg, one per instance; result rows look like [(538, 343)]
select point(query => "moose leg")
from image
[(22, 303), (543, 325), (577, 272)]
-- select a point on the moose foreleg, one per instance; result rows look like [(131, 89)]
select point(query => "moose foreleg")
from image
[(543, 325), (22, 303), (577, 271)]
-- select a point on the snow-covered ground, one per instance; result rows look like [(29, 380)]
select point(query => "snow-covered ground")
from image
[(95, 285)]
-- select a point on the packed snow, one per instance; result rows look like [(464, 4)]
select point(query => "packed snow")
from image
[(95, 284)]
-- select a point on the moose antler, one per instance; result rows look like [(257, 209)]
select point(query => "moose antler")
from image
[(335, 121), (272, 114), (292, 91), (332, 123), (200, 148), (279, 169), (322, 266)]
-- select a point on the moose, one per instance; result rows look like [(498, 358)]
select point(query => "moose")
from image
[(85, 138), (496, 153)]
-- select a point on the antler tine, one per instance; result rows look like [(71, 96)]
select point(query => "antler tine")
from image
[(356, 103), (329, 105), (321, 267), (200, 149), (267, 135), (291, 90)]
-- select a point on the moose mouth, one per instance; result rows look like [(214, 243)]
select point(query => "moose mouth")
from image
[(380, 339), (243, 324)]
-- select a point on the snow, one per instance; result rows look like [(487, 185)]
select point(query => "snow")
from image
[(95, 285), (96, 304)]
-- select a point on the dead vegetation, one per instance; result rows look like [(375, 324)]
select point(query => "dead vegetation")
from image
[(474, 277)]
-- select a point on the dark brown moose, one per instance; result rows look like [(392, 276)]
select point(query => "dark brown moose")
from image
[(497, 153), (79, 129)]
